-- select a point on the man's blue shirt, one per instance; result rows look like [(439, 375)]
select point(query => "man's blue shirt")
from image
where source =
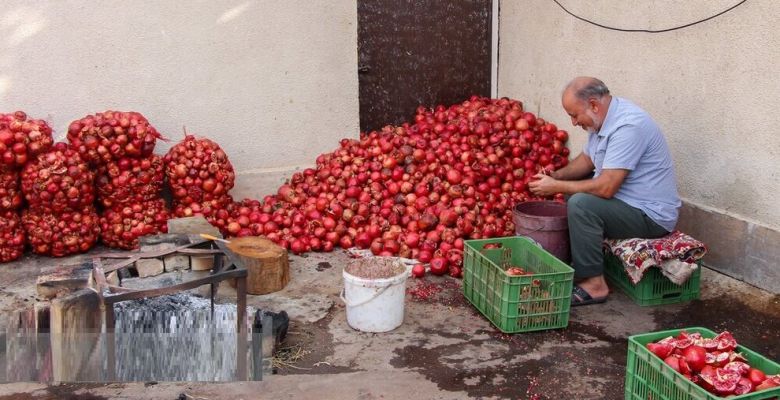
[(629, 139)]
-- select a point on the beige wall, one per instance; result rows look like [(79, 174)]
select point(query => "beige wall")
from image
[(273, 82), (713, 87)]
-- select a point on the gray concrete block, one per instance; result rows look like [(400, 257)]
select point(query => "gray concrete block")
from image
[(149, 267), (762, 264), (738, 248), (176, 262)]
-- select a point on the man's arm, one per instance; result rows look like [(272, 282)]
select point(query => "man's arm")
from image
[(605, 185), (578, 168)]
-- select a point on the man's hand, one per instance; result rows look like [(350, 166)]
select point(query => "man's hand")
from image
[(543, 185)]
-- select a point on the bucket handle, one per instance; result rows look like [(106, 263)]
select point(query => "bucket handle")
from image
[(532, 239), (375, 295)]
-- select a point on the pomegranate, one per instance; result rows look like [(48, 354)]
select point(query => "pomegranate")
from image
[(57, 235), (122, 225), (129, 180), (22, 139), (439, 266), (418, 270), (10, 196), (695, 356), (58, 181), (215, 211), (198, 170), (12, 236), (112, 135)]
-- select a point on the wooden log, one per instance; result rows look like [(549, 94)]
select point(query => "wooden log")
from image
[(75, 335), (266, 263)]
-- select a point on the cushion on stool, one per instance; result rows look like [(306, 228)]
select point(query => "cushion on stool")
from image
[(676, 254)]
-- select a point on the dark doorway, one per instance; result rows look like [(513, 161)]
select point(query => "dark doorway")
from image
[(420, 52)]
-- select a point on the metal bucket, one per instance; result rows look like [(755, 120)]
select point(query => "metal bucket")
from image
[(547, 223)]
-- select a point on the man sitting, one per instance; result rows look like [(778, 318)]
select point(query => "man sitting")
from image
[(633, 190)]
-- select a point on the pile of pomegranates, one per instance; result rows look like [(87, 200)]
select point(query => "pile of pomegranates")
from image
[(416, 190)]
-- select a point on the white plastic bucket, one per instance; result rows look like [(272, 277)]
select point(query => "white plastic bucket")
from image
[(374, 305)]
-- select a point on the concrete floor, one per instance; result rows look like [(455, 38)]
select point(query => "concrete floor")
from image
[(444, 350)]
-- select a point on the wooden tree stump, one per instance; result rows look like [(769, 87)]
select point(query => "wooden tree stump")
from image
[(266, 263)]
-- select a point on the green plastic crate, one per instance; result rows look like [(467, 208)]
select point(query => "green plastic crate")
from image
[(654, 288), (517, 303), (648, 377)]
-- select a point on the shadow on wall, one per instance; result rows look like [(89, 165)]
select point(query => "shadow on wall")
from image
[(23, 23), (16, 26)]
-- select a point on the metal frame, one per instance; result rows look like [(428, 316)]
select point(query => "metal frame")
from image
[(111, 294)]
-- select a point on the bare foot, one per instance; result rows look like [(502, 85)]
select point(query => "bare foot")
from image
[(596, 286)]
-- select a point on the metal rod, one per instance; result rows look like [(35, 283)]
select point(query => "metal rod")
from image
[(110, 342), (241, 328)]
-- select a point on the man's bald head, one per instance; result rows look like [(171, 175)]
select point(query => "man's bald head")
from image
[(586, 100), (585, 88)]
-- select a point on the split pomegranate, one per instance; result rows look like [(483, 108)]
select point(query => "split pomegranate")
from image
[(711, 363), (58, 181), (661, 350), (12, 236), (769, 382), (22, 139), (111, 136), (57, 235), (122, 225), (517, 271)]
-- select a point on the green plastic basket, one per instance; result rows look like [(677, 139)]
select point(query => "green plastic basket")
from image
[(648, 377), (654, 288), (517, 303)]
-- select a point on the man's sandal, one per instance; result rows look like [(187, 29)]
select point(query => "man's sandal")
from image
[(579, 297)]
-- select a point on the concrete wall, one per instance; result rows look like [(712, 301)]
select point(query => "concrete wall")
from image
[(273, 82), (712, 88)]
